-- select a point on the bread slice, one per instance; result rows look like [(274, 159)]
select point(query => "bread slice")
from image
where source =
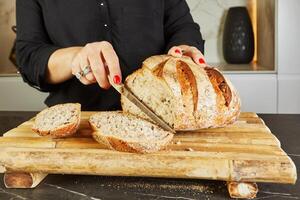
[(61, 120), (128, 133), (161, 97)]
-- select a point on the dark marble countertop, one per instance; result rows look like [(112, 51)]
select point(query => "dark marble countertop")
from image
[(285, 127)]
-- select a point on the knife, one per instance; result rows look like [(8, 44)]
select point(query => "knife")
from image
[(125, 91)]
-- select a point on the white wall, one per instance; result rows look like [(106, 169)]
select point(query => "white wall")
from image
[(289, 36), (288, 56)]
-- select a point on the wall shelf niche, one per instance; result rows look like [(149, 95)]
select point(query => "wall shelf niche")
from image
[(263, 14)]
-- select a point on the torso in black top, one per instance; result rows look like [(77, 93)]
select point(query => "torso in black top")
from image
[(137, 29)]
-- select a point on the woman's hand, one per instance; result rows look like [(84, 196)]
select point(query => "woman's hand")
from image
[(94, 62), (193, 52)]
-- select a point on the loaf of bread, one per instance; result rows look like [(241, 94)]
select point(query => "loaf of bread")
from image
[(61, 120), (128, 133), (187, 96)]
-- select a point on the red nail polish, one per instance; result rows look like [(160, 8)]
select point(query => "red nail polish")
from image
[(178, 51), (201, 61), (117, 79)]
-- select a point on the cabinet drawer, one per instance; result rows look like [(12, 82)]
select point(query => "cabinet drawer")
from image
[(258, 91), (289, 94), (18, 96)]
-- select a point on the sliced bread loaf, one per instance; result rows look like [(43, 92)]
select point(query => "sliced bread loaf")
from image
[(61, 120), (128, 133), (185, 95)]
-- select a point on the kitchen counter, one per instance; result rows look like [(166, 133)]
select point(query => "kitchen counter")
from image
[(285, 127)]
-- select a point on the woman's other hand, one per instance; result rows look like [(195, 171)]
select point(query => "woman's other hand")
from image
[(94, 62), (190, 51)]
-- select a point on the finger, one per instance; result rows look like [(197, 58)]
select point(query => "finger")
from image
[(76, 68), (198, 57), (195, 54), (90, 76), (83, 65), (112, 61), (175, 51), (98, 69)]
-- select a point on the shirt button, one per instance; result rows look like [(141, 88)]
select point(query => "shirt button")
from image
[(105, 25), (101, 4)]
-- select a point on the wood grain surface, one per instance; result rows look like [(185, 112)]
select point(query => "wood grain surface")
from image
[(246, 151)]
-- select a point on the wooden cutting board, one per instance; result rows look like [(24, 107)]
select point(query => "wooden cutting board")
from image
[(246, 151)]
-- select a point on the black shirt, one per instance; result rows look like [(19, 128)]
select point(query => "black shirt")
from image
[(137, 29)]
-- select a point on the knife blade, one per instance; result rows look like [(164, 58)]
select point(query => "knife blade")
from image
[(126, 92)]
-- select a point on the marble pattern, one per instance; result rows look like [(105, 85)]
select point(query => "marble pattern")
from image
[(210, 15)]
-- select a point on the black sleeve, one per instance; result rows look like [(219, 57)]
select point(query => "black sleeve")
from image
[(33, 48), (180, 27)]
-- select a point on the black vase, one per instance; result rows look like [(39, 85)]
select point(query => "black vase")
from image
[(238, 39)]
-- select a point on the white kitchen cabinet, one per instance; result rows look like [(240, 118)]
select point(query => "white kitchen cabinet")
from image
[(258, 91), (289, 94), (18, 96)]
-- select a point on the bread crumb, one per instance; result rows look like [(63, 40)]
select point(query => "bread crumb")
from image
[(178, 142), (243, 189), (189, 149)]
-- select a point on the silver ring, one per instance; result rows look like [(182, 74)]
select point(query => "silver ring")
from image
[(86, 70), (79, 75)]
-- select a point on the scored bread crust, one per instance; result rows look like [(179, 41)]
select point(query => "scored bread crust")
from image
[(119, 144), (202, 99), (61, 131)]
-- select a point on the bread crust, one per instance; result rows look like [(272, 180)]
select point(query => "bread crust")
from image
[(65, 130), (205, 98), (119, 144)]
